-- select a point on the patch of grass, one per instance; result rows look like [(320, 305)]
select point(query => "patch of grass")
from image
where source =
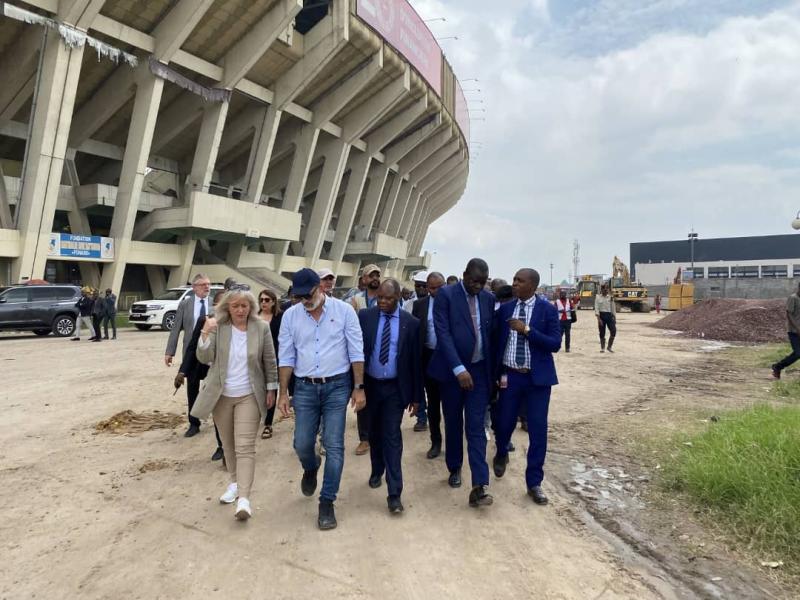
[(787, 388), (745, 471)]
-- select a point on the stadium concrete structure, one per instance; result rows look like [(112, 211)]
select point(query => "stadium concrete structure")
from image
[(144, 140)]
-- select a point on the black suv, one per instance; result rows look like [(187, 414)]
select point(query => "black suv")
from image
[(40, 308)]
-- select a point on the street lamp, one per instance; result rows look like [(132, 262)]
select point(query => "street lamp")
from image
[(551, 274), (692, 239)]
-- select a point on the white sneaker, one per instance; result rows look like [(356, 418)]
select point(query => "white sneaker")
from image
[(243, 511), (230, 495)]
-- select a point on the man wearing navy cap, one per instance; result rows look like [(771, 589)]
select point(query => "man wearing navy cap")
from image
[(320, 342)]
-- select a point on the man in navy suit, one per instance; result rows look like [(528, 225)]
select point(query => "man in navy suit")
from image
[(525, 335), (393, 384), (462, 362)]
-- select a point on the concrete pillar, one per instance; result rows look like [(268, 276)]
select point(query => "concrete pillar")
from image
[(155, 276), (359, 167), (305, 145), (325, 199), (403, 200), (411, 210), (134, 164), (79, 223), (377, 183), (180, 275), (58, 83), (261, 153), (388, 205), (205, 154), (6, 222)]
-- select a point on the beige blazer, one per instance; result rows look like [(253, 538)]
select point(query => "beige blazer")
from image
[(261, 365)]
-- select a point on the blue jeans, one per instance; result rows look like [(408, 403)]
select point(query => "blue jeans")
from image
[(325, 402)]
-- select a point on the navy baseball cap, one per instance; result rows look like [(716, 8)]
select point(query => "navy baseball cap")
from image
[(304, 281)]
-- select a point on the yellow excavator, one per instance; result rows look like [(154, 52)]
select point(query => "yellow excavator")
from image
[(626, 292)]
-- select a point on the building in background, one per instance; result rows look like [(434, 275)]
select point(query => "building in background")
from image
[(247, 139)]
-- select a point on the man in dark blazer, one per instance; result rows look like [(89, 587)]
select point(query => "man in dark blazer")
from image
[(526, 334), (393, 383), (423, 310), (463, 314)]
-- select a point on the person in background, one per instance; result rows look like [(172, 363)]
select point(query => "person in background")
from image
[(109, 314), (405, 296), (192, 369), (606, 312), (793, 332), (393, 383), (84, 306), (525, 336), (228, 283), (462, 362), (240, 386), (658, 304), (269, 311), (327, 281), (322, 346), (431, 404), (420, 290), (98, 311), (451, 279), (566, 316)]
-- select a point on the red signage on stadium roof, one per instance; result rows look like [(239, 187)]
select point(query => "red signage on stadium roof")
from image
[(402, 27)]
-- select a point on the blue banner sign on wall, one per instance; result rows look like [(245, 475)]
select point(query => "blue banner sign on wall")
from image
[(80, 247)]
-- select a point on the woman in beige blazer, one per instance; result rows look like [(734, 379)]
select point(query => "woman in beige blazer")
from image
[(240, 386)]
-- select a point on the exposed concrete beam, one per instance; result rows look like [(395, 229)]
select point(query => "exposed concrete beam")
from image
[(359, 121), (79, 13), (261, 153), (384, 134), (446, 167), (377, 182), (184, 110), (240, 127), (329, 106), (359, 168), (422, 152), (176, 27), (205, 154), (399, 209), (249, 50), (79, 222), (446, 180), (6, 222), (388, 203), (434, 160), (411, 211), (18, 66), (407, 144)]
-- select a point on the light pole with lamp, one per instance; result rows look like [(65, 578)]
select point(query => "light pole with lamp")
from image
[(692, 239)]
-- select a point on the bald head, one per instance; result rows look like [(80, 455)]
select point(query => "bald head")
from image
[(389, 295)]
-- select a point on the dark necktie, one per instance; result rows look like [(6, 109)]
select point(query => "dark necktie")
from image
[(386, 338), (473, 313), (519, 356), (202, 316)]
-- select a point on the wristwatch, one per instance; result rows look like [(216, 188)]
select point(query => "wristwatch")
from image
[(527, 329), (358, 386)]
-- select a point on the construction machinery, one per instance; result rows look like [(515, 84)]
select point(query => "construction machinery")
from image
[(588, 288), (626, 292)]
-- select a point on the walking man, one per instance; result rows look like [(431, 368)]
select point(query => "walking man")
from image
[(320, 342), (393, 383), (463, 315), (793, 331), (566, 316), (109, 314), (432, 403), (526, 333), (98, 312), (84, 306), (605, 310), (193, 307)]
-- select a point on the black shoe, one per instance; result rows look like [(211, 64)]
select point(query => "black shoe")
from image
[(537, 495), (113, 338), (499, 463), (327, 516), (610, 350), (567, 350), (776, 372), (480, 497), (455, 478), (395, 506), (420, 426), (436, 450), (308, 484), (375, 481), (97, 340), (192, 431), (105, 337), (511, 447), (91, 339), (75, 339), (218, 454)]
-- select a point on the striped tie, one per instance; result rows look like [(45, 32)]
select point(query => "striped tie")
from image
[(386, 337), (519, 356)]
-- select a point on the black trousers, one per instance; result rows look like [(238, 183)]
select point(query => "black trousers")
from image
[(363, 426), (110, 319), (566, 330), (192, 390), (96, 324), (607, 319), (433, 399), (794, 340), (385, 413)]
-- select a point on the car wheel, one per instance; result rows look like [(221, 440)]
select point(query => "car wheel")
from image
[(168, 322), (64, 325), (42, 332), (141, 327)]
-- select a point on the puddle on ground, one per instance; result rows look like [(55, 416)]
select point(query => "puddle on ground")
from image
[(608, 487)]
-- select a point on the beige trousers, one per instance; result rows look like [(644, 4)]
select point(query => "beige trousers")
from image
[(238, 420)]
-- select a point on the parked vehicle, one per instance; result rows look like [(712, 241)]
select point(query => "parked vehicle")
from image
[(160, 311), (40, 308)]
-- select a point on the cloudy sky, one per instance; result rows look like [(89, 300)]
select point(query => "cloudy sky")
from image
[(616, 121)]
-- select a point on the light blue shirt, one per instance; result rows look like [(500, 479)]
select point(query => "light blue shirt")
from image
[(321, 348), (430, 341), (389, 370), (461, 368)]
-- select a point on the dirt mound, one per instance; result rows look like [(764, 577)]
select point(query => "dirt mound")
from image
[(731, 320), (128, 421), (158, 465)]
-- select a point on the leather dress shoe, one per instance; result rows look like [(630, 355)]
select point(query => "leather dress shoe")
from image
[(511, 447), (499, 463), (395, 506), (455, 478), (192, 431), (218, 454), (327, 516), (308, 484), (537, 495), (375, 481), (420, 426), (436, 450), (480, 497)]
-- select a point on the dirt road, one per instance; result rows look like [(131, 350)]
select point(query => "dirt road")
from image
[(97, 515)]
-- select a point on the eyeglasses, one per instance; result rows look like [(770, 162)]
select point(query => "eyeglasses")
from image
[(265, 299), (202, 284), (239, 287)]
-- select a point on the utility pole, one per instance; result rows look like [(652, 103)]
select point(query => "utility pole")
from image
[(576, 258), (692, 238), (551, 274)]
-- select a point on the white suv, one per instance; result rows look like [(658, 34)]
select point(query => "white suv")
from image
[(160, 311)]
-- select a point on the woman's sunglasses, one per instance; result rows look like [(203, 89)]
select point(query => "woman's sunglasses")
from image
[(265, 299)]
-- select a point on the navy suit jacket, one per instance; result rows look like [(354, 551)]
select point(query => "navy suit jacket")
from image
[(409, 362), (543, 340), (455, 334)]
